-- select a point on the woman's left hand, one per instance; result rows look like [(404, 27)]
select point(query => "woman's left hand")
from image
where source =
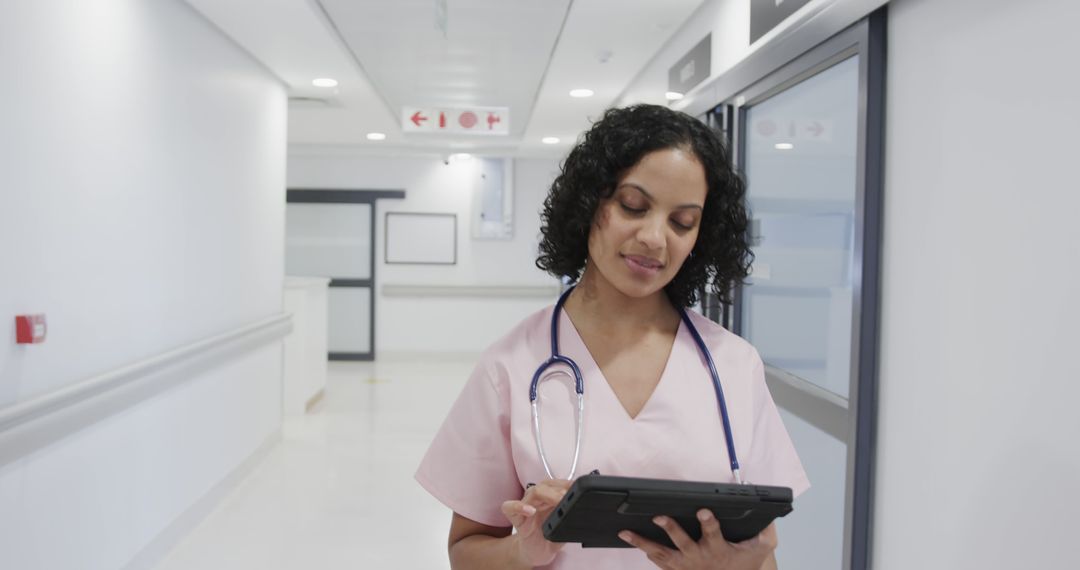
[(711, 552)]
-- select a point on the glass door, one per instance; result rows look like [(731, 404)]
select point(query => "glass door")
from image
[(331, 233), (808, 138), (800, 162)]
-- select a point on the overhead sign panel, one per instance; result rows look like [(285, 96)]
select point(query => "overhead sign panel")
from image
[(767, 14), (692, 68), (456, 120)]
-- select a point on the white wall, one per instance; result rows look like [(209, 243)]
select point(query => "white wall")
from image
[(142, 178), (141, 161), (452, 325), (108, 493), (729, 23), (977, 461)]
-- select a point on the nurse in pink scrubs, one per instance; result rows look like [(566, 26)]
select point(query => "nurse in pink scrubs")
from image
[(645, 211)]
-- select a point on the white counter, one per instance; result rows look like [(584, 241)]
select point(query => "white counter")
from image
[(305, 351)]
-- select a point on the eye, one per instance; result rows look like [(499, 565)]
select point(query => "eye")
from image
[(684, 221), (632, 210)]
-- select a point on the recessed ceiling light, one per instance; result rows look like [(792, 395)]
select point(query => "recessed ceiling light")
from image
[(581, 93), (324, 82), (460, 157), (550, 140), (784, 146), (673, 96), (376, 136)]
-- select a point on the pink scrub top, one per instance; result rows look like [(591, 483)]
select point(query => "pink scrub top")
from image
[(485, 452)]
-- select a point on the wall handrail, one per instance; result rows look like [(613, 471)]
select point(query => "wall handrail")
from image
[(486, 291), (29, 425)]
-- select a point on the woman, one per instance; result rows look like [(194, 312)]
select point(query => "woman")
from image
[(645, 211)]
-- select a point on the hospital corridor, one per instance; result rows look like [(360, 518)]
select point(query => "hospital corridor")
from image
[(557, 284), (337, 491)]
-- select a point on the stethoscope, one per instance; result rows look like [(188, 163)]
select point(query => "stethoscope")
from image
[(579, 386)]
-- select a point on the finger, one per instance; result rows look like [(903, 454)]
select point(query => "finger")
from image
[(654, 551), (753, 553), (678, 536), (769, 535), (762, 544), (517, 511), (560, 483), (710, 527), (553, 484), (544, 496)]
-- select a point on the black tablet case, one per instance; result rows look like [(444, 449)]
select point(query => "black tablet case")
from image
[(597, 507)]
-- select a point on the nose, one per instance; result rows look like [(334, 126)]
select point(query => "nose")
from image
[(651, 233)]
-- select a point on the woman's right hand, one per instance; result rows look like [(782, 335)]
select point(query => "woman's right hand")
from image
[(528, 516)]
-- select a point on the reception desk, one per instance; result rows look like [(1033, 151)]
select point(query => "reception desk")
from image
[(305, 357)]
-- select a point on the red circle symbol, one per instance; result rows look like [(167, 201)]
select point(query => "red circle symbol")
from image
[(468, 119)]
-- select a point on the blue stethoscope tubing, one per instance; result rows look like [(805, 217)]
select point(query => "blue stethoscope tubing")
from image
[(579, 387)]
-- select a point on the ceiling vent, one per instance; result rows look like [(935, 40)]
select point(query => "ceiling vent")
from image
[(313, 102)]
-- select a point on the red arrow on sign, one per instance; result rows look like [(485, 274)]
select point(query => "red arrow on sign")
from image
[(417, 118), (816, 129)]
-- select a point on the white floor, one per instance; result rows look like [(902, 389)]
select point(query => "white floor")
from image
[(338, 492)]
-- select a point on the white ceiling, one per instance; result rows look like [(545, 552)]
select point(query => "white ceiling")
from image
[(388, 54)]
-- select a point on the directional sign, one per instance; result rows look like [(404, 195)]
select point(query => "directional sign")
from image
[(456, 120), (816, 130)]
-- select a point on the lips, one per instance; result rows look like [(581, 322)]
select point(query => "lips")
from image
[(643, 265), (645, 261)]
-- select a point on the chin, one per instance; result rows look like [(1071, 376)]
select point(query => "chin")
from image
[(628, 284), (639, 290)]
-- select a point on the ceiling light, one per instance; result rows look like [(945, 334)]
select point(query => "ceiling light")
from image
[(324, 82), (673, 96), (581, 93), (784, 146), (550, 140), (376, 136), (460, 157)]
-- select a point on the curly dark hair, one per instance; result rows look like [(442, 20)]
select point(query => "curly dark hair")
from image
[(590, 173)]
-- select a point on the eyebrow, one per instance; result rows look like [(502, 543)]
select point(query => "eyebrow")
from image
[(652, 199)]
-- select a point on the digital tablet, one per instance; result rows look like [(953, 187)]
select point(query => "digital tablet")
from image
[(597, 507)]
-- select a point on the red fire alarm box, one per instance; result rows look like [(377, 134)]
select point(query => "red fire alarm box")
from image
[(30, 329)]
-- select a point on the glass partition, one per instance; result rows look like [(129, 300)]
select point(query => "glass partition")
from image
[(807, 135), (329, 240), (331, 233), (800, 160)]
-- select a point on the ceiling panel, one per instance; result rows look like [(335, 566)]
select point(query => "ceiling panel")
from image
[(604, 45), (489, 53), (386, 54)]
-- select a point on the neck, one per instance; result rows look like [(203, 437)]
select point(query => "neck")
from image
[(598, 302)]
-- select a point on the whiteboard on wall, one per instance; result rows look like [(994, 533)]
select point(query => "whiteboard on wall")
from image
[(421, 238)]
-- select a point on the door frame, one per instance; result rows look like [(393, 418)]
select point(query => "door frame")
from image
[(852, 420), (324, 196)]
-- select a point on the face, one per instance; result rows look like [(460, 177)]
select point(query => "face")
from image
[(644, 232)]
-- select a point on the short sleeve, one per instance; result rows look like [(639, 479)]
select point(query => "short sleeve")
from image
[(772, 459), (469, 466)]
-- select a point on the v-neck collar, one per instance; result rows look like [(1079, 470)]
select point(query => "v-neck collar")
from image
[(571, 344)]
